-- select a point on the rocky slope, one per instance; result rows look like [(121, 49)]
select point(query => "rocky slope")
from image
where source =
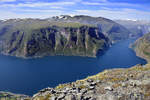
[(12, 96), (109, 28), (114, 84), (137, 28), (37, 38), (142, 47)]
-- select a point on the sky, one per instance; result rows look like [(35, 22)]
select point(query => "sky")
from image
[(112, 9)]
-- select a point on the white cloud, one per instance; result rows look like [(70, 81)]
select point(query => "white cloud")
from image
[(56, 7), (91, 3), (41, 11), (7, 0), (111, 4), (47, 9), (107, 13), (38, 4), (30, 14), (117, 14)]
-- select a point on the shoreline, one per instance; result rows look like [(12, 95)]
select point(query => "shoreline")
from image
[(104, 71), (39, 57), (95, 79), (66, 84)]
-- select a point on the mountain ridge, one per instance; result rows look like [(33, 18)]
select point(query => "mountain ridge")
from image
[(109, 28), (78, 35)]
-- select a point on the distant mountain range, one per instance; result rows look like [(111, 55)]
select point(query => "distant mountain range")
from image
[(141, 30), (137, 27)]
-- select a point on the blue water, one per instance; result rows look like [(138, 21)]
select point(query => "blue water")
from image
[(28, 76)]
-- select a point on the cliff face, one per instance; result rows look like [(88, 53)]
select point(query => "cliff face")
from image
[(142, 47), (111, 29), (36, 38)]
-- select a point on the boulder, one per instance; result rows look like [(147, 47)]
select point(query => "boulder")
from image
[(90, 80), (70, 97), (53, 98), (109, 88), (62, 96), (107, 96)]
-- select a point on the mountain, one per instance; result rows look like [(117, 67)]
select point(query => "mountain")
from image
[(137, 27), (37, 38), (142, 46), (109, 28), (60, 35)]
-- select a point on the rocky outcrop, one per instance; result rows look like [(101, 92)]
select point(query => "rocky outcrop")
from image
[(37, 38), (142, 47), (12, 96), (115, 84)]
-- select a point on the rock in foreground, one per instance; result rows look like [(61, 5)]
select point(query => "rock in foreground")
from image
[(116, 84), (11, 96)]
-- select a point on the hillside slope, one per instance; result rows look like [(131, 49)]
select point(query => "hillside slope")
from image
[(142, 46), (61, 35), (114, 84), (37, 38)]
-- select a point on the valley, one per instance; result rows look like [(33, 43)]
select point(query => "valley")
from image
[(60, 52)]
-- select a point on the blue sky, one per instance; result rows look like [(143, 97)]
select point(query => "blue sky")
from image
[(112, 9)]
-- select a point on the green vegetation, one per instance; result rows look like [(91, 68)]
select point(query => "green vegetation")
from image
[(142, 46), (70, 36), (37, 38)]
